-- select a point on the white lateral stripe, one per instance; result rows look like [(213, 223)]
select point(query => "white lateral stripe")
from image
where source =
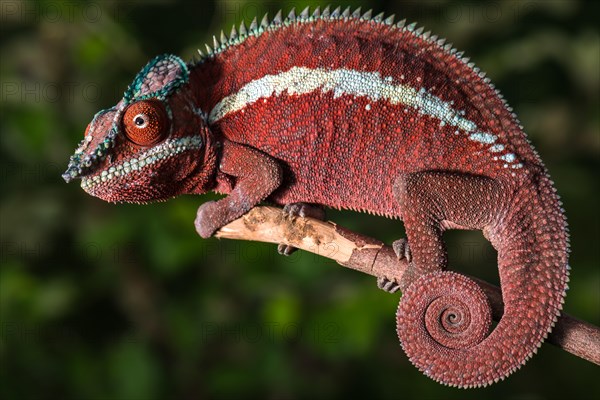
[(483, 137), (303, 80)]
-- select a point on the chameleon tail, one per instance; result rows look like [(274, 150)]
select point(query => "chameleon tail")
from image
[(444, 317)]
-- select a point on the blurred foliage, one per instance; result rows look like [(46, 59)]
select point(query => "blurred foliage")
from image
[(127, 302)]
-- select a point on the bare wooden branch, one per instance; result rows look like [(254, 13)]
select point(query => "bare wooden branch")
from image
[(352, 250)]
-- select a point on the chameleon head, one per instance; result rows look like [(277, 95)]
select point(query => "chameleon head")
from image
[(153, 145)]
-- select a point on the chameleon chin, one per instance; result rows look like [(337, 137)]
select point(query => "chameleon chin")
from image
[(344, 110)]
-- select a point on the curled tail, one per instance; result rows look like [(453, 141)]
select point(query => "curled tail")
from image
[(443, 317)]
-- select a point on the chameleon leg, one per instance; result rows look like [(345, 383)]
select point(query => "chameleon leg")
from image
[(256, 175), (422, 216), (432, 201), (293, 210)]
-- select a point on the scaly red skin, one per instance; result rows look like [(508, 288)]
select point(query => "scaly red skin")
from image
[(346, 149)]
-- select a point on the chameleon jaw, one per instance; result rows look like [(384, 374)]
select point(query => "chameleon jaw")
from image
[(167, 149)]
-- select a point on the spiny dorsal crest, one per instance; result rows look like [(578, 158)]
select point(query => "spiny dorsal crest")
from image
[(238, 36)]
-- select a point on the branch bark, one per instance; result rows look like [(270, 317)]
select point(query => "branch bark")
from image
[(355, 251)]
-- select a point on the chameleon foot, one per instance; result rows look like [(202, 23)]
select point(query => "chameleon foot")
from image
[(294, 210), (402, 249), (390, 286), (411, 274)]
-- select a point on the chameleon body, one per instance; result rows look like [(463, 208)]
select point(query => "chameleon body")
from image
[(347, 111)]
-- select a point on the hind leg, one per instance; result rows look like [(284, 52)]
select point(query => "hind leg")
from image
[(432, 201), (422, 216)]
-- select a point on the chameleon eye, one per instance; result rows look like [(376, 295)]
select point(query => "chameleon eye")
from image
[(145, 122)]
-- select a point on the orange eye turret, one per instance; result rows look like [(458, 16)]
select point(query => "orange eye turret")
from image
[(146, 122)]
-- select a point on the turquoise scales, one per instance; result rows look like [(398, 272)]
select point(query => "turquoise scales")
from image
[(341, 105)]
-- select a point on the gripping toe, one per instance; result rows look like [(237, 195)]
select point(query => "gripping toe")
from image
[(385, 284)]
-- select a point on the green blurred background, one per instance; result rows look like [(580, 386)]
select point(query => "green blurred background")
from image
[(126, 302)]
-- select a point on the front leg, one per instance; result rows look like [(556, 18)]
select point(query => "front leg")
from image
[(256, 175)]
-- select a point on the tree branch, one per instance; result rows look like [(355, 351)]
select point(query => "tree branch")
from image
[(352, 250)]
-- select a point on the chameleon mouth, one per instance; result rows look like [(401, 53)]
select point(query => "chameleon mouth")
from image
[(167, 149)]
